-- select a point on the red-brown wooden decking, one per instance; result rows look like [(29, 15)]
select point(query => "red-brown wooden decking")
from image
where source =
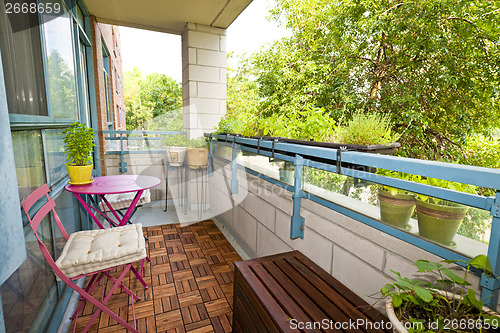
[(190, 280)]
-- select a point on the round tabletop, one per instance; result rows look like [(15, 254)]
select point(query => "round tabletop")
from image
[(115, 184)]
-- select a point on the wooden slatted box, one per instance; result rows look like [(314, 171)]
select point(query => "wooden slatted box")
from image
[(288, 292)]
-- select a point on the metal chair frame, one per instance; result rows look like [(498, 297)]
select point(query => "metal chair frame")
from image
[(96, 277)]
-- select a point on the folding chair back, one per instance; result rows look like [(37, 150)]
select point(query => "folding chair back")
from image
[(40, 198)]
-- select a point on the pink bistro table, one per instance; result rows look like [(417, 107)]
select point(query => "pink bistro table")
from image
[(113, 185)]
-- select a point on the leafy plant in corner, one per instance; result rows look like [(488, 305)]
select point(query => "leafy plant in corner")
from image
[(79, 143), (176, 140), (432, 307)]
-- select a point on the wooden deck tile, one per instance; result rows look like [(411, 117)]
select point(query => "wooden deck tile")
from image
[(190, 279)]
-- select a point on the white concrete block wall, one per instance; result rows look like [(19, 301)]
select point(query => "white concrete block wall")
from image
[(356, 254), (203, 78)]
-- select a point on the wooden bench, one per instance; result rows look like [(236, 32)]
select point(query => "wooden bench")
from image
[(288, 292)]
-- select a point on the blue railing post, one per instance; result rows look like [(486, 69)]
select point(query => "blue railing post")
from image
[(297, 221), (123, 164), (234, 169), (490, 284), (210, 157)]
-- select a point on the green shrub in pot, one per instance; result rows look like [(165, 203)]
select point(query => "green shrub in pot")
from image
[(396, 205), (439, 219), (197, 153), (78, 145), (446, 305), (176, 147)]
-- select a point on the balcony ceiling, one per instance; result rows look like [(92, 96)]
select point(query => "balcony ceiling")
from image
[(166, 15)]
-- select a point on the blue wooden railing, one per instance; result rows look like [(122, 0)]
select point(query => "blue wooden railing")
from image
[(332, 160), (125, 136)]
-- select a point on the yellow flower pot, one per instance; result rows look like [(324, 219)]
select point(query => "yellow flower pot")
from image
[(79, 174)]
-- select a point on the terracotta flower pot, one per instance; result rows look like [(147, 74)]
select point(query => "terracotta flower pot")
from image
[(197, 158), (439, 223), (396, 209)]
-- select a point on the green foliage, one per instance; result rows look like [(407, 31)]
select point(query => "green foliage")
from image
[(152, 102), (200, 142), (79, 144), (176, 140), (431, 66), (444, 184), (366, 129), (398, 175), (415, 299), (309, 124)]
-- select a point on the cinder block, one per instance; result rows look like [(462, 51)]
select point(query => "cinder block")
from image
[(359, 246), (357, 275), (222, 106), (261, 210), (212, 90), (205, 105), (200, 73), (223, 43), (211, 58), (268, 243), (223, 75), (246, 226), (203, 40), (314, 246)]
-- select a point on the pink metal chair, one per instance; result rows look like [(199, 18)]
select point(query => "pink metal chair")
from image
[(91, 253)]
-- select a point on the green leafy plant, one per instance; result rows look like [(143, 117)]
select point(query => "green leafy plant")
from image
[(366, 129), (398, 175), (432, 305), (79, 143), (177, 140), (310, 124), (444, 184), (200, 142)]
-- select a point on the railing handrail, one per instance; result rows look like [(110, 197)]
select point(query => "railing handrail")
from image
[(142, 132)]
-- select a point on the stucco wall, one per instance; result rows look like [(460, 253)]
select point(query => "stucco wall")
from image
[(356, 254)]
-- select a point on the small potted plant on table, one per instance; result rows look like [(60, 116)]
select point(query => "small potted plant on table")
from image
[(422, 306), (176, 147), (79, 144)]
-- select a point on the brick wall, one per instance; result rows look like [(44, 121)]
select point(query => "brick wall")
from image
[(111, 37)]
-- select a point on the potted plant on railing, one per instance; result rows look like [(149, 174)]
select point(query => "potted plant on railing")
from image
[(176, 147), (396, 205), (439, 219), (421, 306), (79, 144), (197, 153)]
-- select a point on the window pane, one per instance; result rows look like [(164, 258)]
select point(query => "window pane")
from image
[(29, 161), (60, 59), (30, 294), (56, 158), (22, 63)]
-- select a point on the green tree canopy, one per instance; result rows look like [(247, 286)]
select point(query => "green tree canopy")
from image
[(154, 96), (433, 66)]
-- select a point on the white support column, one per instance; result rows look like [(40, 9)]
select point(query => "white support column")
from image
[(203, 78)]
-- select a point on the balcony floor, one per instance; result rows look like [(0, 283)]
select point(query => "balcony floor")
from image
[(190, 280)]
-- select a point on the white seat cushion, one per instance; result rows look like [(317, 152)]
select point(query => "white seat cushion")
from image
[(123, 200), (94, 250)]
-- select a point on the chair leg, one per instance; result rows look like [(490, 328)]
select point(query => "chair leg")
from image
[(89, 289), (139, 277), (102, 306)]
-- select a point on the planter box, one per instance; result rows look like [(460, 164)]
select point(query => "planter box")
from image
[(385, 149)]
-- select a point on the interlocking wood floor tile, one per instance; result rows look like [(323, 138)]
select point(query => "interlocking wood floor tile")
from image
[(190, 284)]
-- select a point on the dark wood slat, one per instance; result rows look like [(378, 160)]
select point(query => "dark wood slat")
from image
[(290, 283), (297, 294), (347, 293)]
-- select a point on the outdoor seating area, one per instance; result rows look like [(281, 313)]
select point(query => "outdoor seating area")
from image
[(190, 279)]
